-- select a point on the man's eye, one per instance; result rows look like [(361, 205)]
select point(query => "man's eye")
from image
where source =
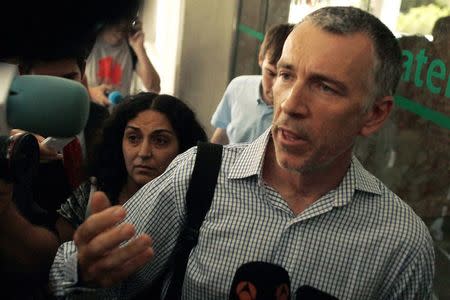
[(326, 88), (284, 76), (272, 74)]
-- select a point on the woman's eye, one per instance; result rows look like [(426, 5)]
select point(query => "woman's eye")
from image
[(133, 139), (160, 140)]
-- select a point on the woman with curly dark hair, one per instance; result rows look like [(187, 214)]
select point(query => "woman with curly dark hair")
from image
[(140, 139)]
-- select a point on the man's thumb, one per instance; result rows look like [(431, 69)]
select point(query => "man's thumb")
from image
[(98, 201)]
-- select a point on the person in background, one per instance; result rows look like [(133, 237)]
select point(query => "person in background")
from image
[(140, 139), (296, 197), (118, 52), (246, 109)]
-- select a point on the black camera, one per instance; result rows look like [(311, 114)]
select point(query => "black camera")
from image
[(19, 157), (135, 26)]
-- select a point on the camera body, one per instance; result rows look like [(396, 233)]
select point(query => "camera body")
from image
[(19, 157), (135, 26)]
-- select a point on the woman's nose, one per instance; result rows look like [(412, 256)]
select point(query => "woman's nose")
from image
[(145, 150)]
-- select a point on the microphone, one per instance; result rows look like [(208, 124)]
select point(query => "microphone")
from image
[(45, 105), (307, 292), (260, 281), (115, 97)]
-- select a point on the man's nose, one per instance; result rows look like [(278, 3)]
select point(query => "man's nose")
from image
[(296, 101)]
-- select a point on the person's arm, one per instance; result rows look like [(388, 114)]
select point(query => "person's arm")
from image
[(220, 136), (23, 246), (144, 67), (413, 278), (104, 253), (222, 117)]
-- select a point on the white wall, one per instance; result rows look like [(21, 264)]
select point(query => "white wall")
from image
[(162, 24), (190, 44), (388, 11), (206, 50)]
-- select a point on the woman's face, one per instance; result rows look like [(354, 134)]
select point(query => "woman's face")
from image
[(149, 144), (115, 34)]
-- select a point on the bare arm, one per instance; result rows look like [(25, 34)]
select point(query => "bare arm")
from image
[(144, 67), (220, 136)]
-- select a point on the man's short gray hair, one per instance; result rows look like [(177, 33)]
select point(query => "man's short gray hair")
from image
[(348, 20)]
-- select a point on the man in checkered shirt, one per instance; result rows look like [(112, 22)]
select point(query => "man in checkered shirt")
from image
[(296, 197)]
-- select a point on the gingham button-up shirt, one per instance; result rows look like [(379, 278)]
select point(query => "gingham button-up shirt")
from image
[(358, 241)]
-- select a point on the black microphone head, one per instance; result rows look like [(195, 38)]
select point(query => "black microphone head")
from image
[(261, 281), (306, 292)]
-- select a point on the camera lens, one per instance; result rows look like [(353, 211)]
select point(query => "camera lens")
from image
[(135, 26)]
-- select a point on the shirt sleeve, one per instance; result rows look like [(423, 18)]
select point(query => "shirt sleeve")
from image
[(157, 209), (222, 116), (415, 275)]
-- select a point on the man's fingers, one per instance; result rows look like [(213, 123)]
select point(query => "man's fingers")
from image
[(99, 202), (48, 154), (109, 240), (130, 267), (121, 262), (127, 269), (98, 223), (121, 255), (16, 131)]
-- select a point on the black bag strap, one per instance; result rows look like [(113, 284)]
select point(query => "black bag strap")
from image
[(198, 201)]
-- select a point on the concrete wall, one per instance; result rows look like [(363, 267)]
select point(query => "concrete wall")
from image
[(206, 48)]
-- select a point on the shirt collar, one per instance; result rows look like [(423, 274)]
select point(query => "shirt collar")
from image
[(357, 179), (250, 163)]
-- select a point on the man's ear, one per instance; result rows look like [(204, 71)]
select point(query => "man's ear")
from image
[(376, 115)]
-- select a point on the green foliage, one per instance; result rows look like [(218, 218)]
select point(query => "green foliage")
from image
[(408, 4), (420, 20), (442, 3)]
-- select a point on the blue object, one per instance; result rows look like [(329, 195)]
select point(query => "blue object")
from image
[(115, 97)]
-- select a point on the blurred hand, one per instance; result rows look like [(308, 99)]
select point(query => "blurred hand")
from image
[(98, 94), (102, 261), (45, 153), (136, 41)]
